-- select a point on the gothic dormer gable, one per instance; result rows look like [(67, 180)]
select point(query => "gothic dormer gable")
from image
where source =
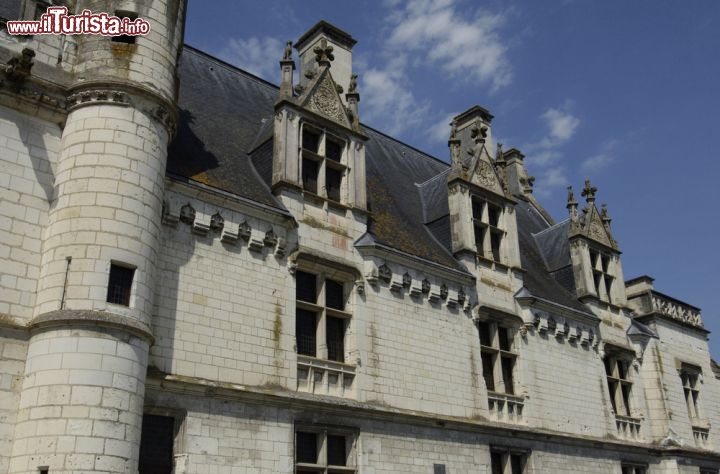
[(590, 223), (322, 96), (481, 170)]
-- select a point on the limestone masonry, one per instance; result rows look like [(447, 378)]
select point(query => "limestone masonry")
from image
[(202, 272)]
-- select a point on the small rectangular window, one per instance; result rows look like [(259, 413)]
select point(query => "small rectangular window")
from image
[(335, 333), (127, 39), (305, 332), (336, 450), (306, 289), (507, 371), (306, 447), (156, 445), (333, 150), (496, 461), (310, 175), (488, 371), (120, 285), (310, 140), (477, 209), (485, 336), (334, 297), (494, 215), (333, 180), (495, 239)]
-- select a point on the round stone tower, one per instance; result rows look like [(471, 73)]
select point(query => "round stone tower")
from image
[(81, 404)]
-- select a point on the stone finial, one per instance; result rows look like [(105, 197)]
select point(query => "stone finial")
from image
[(589, 191), (352, 88), (287, 66), (572, 204), (287, 54), (18, 67), (323, 53), (499, 156), (605, 217)]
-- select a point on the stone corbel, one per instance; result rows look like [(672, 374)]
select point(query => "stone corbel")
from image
[(170, 213), (270, 238), (371, 273), (280, 250), (396, 284), (187, 214), (415, 289), (385, 273), (541, 323), (201, 224), (434, 293), (360, 286), (452, 299), (244, 231), (256, 241), (586, 337), (230, 233)]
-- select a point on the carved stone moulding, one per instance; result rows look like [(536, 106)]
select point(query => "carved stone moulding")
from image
[(229, 229), (95, 96)]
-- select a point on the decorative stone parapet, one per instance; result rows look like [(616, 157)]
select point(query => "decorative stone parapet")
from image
[(325, 377), (505, 407), (675, 309)]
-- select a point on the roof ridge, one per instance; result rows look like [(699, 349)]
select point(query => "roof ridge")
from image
[(427, 181), (552, 227)]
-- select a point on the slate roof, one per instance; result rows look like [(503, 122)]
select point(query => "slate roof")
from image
[(224, 140)]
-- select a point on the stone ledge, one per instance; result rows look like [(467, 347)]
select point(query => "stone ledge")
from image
[(69, 317)]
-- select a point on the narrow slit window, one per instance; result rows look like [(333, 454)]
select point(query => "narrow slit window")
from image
[(336, 450), (120, 285), (310, 175), (305, 332), (306, 448), (333, 180), (335, 331)]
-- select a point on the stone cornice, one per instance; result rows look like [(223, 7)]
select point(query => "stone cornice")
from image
[(280, 397)]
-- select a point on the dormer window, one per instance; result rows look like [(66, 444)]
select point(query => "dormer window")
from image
[(603, 278), (323, 163), (489, 234)]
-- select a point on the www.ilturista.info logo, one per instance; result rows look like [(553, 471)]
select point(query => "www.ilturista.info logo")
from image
[(57, 21)]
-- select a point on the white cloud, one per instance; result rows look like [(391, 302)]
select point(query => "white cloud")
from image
[(597, 162), (251, 54), (603, 159), (388, 103), (562, 124), (549, 181), (439, 35), (440, 131)]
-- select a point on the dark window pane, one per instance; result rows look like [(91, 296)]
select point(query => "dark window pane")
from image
[(156, 445), (479, 238), (477, 208), (305, 333), (335, 333), (439, 469), (333, 180), (608, 366), (517, 462), (493, 215), (626, 398), (336, 455), (306, 447), (495, 239), (507, 370), (119, 285), (334, 295), (309, 175), (612, 386), (496, 459), (310, 140), (333, 150), (504, 338), (306, 289), (485, 338), (487, 365), (622, 369)]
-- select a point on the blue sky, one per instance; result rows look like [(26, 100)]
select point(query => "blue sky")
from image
[(625, 93)]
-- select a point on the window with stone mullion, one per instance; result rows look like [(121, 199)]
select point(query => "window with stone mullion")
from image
[(487, 221), (324, 451), (320, 317), (617, 370), (497, 357)]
